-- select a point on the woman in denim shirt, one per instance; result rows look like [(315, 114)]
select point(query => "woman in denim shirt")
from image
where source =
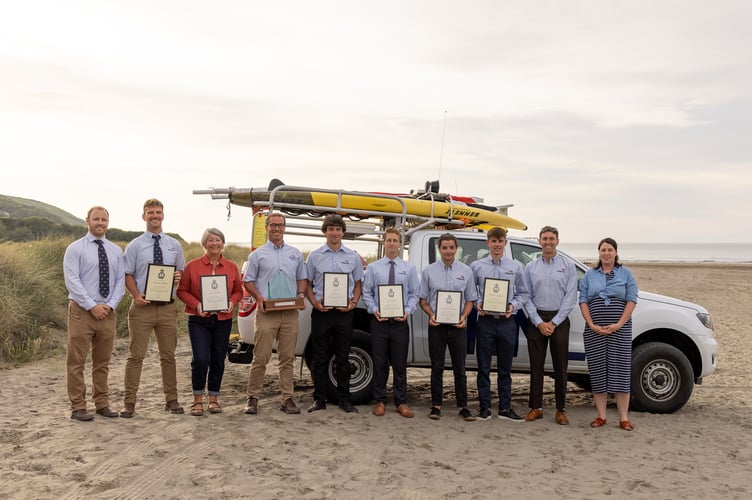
[(608, 295)]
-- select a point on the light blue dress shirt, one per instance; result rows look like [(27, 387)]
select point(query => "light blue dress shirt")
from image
[(81, 272), (377, 273), (553, 287), (325, 260), (139, 253), (503, 269), (457, 277), (267, 261)]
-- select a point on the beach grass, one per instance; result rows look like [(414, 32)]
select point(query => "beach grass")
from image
[(34, 300)]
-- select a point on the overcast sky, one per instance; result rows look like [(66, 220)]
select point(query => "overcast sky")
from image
[(629, 119)]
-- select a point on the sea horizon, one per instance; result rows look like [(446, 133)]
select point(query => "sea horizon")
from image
[(628, 252)]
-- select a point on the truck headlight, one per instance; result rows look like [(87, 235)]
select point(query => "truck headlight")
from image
[(705, 320)]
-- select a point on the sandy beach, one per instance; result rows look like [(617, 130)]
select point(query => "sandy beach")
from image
[(702, 451)]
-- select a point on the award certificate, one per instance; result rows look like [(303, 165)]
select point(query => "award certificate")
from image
[(448, 307), (390, 301), (214, 293), (159, 281), (336, 290), (495, 295)]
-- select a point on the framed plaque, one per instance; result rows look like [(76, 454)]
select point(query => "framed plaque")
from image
[(390, 301), (159, 282), (214, 293), (336, 289), (495, 295), (448, 306)]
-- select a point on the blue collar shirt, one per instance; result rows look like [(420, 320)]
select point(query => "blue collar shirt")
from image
[(553, 287), (325, 260), (81, 272), (266, 262), (377, 273), (503, 269), (139, 253), (457, 277)]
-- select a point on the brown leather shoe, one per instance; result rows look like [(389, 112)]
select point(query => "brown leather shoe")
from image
[(129, 409), (107, 412), (174, 407), (251, 406), (561, 417), (379, 409), (81, 415), (289, 407), (533, 414), (405, 411)]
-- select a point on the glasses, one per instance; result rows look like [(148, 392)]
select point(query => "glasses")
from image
[(276, 225)]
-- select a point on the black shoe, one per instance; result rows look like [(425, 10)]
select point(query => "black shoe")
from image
[(466, 415), (509, 414), (348, 407), (435, 413), (484, 414), (318, 404)]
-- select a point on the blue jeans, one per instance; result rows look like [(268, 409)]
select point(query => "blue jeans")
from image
[(495, 337), (209, 339)]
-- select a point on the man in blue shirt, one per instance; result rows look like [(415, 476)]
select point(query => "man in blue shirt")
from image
[(144, 316), (332, 327), (447, 275), (552, 281), (95, 279), (275, 271), (496, 333), (390, 336)]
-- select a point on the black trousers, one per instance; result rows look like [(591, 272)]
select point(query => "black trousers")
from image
[(537, 344), (390, 341), (439, 339), (331, 333)]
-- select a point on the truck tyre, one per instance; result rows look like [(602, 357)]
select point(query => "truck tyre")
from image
[(662, 378), (361, 371)]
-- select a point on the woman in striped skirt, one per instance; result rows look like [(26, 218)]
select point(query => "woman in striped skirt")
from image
[(608, 295)]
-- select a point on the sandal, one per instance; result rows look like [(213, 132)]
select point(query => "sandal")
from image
[(598, 422), (626, 425), (197, 409), (214, 407)]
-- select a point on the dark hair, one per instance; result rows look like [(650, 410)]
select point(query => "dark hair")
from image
[(496, 232), (448, 237), (611, 242), (549, 229), (333, 220)]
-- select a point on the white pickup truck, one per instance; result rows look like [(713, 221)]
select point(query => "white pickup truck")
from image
[(673, 345)]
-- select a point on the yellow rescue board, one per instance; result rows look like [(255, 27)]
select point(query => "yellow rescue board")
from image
[(471, 216)]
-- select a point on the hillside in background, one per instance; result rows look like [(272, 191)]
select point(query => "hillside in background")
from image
[(12, 207)]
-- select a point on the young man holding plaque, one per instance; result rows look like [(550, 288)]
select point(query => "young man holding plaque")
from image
[(276, 270), (390, 293), (210, 288), (501, 292), (447, 293), (552, 281), (95, 279), (335, 276), (154, 263)]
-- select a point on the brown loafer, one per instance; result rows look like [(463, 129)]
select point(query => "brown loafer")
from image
[(626, 425), (82, 415), (107, 412), (380, 409), (561, 417), (289, 407), (405, 411), (129, 409), (174, 407), (534, 414)]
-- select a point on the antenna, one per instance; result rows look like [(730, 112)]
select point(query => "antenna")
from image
[(443, 135)]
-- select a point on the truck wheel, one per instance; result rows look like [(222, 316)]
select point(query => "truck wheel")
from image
[(361, 371), (662, 378)]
